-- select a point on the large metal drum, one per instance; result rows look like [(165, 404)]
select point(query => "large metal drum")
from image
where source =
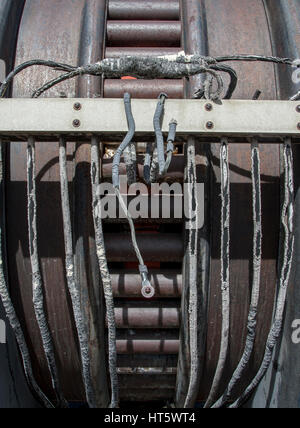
[(152, 337)]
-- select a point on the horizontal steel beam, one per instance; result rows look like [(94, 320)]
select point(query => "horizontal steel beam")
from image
[(75, 117)]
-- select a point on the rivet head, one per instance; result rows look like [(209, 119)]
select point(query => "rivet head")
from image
[(148, 292), (77, 106), (208, 107), (209, 125), (76, 123), (298, 108), (298, 126)]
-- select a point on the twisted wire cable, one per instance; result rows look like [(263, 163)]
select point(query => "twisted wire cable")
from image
[(193, 283), (144, 67), (170, 145), (206, 90), (147, 162), (262, 58), (54, 82), (179, 66), (157, 119), (225, 287), (37, 282), (147, 289), (233, 78), (104, 271), (256, 270), (125, 143), (71, 278), (287, 221), (132, 228), (295, 97), (130, 162), (13, 318), (154, 173), (50, 64), (155, 164)]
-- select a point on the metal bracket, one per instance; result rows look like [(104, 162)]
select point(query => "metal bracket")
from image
[(53, 117)]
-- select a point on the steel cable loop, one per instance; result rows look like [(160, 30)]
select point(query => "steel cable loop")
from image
[(287, 223), (256, 284), (12, 316), (104, 271), (37, 281), (71, 278), (225, 259), (233, 78), (206, 90)]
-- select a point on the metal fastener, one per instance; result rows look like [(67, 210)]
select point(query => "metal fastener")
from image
[(77, 106), (298, 108), (208, 107), (298, 126), (76, 123), (209, 125), (148, 292)]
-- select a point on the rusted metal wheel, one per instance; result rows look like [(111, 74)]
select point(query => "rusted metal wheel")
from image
[(154, 357)]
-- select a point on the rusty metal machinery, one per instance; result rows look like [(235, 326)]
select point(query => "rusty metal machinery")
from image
[(214, 334)]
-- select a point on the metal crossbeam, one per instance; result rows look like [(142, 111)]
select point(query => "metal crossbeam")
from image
[(75, 117)]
